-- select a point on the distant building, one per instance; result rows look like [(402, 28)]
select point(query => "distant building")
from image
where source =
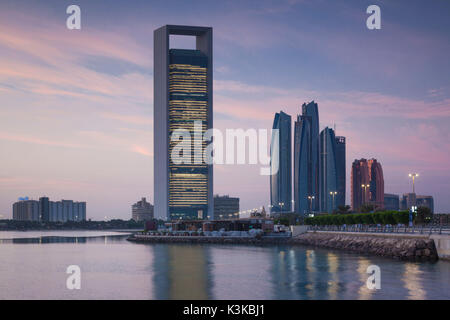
[(391, 201), (224, 206), (26, 210), (67, 210), (49, 211), (281, 171), (425, 201), (142, 210), (410, 200), (306, 159), (367, 183), (44, 208)]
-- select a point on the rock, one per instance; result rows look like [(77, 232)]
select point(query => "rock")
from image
[(412, 249)]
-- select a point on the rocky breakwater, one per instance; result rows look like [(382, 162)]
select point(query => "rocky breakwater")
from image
[(399, 247), (208, 240)]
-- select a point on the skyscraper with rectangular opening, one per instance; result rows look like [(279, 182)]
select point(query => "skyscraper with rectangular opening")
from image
[(182, 98)]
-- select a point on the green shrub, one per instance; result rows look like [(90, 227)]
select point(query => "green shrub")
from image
[(335, 219), (367, 218), (358, 218), (349, 219), (387, 217), (402, 217), (377, 217)]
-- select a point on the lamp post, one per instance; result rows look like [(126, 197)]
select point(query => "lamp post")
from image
[(413, 176), (310, 198), (281, 204), (333, 194), (365, 186)]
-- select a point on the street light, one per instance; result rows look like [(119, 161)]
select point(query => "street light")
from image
[(333, 194), (413, 176), (281, 204), (310, 198), (365, 186)]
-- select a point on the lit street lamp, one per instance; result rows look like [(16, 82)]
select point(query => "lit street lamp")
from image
[(281, 204), (333, 194), (310, 198), (413, 176), (365, 186)]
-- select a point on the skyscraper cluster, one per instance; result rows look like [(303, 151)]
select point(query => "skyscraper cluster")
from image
[(319, 165)]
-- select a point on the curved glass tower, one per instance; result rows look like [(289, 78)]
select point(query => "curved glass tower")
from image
[(306, 159), (302, 166), (280, 157), (328, 171)]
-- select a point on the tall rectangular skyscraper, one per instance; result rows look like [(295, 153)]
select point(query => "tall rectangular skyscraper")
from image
[(328, 171), (281, 174), (182, 98), (306, 159), (340, 171)]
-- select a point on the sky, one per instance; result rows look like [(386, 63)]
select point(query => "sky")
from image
[(76, 106)]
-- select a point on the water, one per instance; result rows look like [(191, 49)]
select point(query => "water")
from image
[(33, 266)]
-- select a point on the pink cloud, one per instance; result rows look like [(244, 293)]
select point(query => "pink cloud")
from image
[(128, 118), (40, 141), (142, 150)]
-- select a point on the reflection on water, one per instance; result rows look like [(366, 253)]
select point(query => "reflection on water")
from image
[(412, 281), (59, 239), (181, 272), (333, 283), (364, 292), (113, 268)]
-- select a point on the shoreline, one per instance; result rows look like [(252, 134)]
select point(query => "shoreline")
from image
[(419, 248)]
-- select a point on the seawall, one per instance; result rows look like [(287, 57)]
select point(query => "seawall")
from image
[(206, 240), (402, 247)]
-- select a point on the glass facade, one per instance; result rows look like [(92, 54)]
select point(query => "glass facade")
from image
[(281, 163), (310, 112), (188, 105), (302, 166), (340, 171), (306, 159), (328, 171), (391, 201)]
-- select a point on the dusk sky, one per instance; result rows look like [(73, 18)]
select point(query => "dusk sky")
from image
[(76, 106)]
